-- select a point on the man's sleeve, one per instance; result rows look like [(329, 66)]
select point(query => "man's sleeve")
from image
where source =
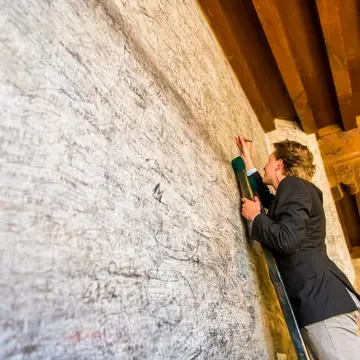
[(266, 197), (292, 213)]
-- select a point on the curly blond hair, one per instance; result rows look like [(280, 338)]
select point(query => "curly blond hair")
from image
[(297, 159)]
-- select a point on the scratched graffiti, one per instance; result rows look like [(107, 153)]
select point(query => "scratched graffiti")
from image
[(119, 223)]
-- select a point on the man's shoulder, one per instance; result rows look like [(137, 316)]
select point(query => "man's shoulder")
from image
[(293, 184), (294, 180)]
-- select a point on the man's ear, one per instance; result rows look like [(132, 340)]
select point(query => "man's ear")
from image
[(280, 165)]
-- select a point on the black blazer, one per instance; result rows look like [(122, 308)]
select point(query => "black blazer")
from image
[(294, 229)]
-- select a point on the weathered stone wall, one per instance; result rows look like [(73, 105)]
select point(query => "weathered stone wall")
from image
[(120, 229), (335, 240)]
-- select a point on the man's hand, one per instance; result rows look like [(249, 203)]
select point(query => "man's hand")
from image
[(244, 149), (250, 209)]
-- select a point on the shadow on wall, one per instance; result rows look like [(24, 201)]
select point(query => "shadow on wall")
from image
[(161, 80), (274, 320)]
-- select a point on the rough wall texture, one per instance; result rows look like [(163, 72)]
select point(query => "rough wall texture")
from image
[(120, 230), (335, 240)]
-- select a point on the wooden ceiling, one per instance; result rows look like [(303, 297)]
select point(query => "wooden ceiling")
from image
[(300, 60)]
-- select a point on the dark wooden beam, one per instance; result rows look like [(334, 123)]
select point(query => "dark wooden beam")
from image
[(357, 197), (293, 25), (241, 37), (350, 218), (276, 36), (332, 28), (350, 23), (250, 36), (355, 252), (342, 219)]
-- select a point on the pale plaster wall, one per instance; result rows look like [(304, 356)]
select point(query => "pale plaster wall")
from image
[(120, 229), (335, 240)]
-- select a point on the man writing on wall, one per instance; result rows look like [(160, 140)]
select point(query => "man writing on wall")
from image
[(325, 304)]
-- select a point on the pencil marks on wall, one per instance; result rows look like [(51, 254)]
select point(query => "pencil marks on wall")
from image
[(119, 222)]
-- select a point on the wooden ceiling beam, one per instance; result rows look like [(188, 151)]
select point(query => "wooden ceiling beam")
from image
[(241, 37), (295, 36), (350, 23), (275, 33), (249, 35), (332, 28)]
